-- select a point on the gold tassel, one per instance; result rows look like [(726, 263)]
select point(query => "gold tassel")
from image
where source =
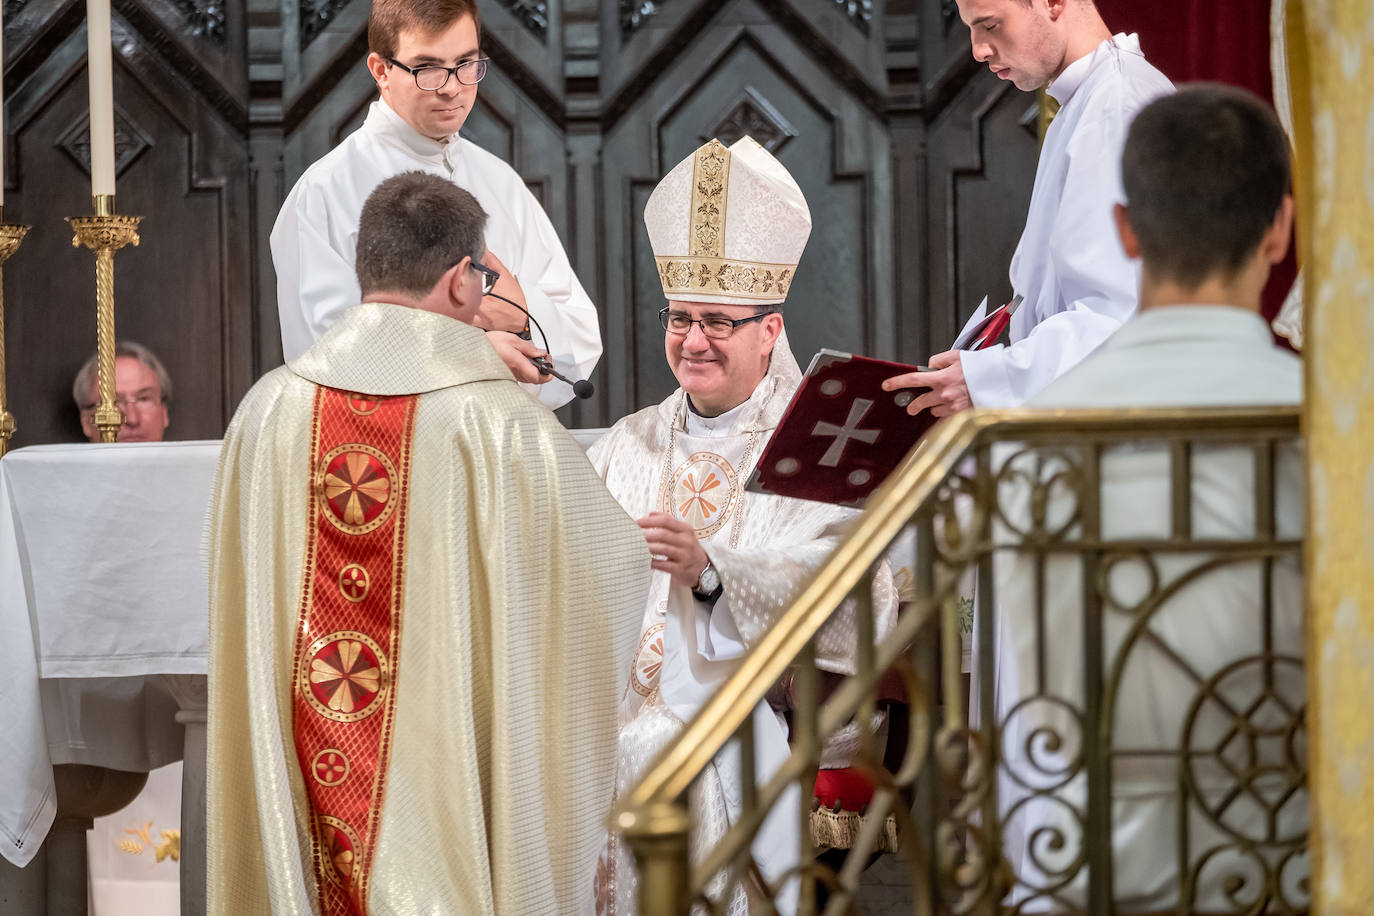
[(839, 830)]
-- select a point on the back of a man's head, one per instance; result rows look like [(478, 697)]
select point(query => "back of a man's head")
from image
[(414, 227), (1205, 172), (389, 18)]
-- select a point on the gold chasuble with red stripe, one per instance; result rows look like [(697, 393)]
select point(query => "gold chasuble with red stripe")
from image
[(422, 603), (348, 641)]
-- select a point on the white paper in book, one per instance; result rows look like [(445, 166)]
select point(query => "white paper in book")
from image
[(971, 326)]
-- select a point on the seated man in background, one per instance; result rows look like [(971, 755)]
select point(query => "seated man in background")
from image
[(142, 390), (727, 562), (1207, 176), (422, 599)]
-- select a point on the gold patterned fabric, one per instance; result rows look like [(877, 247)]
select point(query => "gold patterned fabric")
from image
[(521, 591), (1331, 67), (664, 458)]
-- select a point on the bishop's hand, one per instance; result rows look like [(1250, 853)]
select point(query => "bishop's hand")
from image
[(674, 547)]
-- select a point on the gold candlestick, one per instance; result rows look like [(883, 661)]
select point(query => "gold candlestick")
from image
[(10, 239), (105, 233)]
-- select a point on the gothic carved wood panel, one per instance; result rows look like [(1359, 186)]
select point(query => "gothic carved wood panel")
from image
[(978, 152), (916, 164), (181, 164)]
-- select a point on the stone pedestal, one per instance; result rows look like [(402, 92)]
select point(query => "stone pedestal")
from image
[(192, 695), (83, 794), (23, 891)]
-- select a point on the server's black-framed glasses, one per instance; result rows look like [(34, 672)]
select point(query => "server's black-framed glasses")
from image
[(432, 77), (717, 326)]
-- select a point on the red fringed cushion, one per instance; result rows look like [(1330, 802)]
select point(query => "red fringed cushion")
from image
[(848, 786)]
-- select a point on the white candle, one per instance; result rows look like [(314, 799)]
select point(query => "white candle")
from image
[(99, 52)]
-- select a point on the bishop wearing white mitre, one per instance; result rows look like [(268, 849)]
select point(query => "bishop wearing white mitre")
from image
[(727, 227)]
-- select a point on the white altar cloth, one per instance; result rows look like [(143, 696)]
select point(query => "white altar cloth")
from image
[(101, 576)]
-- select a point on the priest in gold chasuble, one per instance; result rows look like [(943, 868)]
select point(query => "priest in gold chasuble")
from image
[(728, 226), (414, 669)]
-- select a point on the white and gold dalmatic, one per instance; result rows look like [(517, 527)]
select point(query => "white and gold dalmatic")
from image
[(728, 226), (422, 599)]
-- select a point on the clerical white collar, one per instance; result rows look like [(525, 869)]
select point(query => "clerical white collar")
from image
[(390, 126), (1075, 74), (716, 427)]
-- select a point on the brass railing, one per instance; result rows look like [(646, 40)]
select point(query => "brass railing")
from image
[(986, 490)]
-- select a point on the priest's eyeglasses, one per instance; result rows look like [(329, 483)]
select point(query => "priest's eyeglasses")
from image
[(489, 277), (718, 327), (432, 78)]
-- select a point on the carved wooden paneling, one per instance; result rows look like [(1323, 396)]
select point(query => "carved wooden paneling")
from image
[(976, 200), (917, 166), (184, 292), (978, 160)]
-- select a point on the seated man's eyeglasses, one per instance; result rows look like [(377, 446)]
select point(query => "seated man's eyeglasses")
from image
[(432, 78), (718, 327), (144, 400)]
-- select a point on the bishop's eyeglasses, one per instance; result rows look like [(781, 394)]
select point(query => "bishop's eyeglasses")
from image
[(432, 78), (717, 326)]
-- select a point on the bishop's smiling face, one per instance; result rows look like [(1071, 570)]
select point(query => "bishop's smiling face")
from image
[(437, 114), (719, 374)]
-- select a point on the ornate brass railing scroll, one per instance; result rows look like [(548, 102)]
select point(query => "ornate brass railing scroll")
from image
[(986, 489)]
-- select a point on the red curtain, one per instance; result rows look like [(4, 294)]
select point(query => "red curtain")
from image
[(1225, 41)]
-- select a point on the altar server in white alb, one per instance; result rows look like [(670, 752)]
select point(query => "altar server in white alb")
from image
[(1075, 282), (727, 227), (426, 58)]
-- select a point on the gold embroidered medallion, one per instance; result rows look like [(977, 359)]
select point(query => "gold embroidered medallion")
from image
[(702, 492)]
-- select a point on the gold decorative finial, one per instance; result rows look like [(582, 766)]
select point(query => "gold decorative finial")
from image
[(10, 239)]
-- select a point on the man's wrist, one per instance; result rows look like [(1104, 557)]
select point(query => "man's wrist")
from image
[(708, 586)]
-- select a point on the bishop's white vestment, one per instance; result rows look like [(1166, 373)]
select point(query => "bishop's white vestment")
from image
[(316, 233), (1174, 356), (1077, 284), (414, 674), (667, 458)]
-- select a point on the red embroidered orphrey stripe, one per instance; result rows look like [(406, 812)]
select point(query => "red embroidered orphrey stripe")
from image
[(348, 635)]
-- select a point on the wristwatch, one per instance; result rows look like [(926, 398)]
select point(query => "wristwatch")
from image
[(708, 587)]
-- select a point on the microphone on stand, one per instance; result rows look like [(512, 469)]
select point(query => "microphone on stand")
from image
[(581, 387)]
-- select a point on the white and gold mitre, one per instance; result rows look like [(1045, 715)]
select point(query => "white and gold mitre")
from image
[(728, 226)]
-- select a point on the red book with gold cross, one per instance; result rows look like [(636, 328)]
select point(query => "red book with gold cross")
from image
[(842, 434)]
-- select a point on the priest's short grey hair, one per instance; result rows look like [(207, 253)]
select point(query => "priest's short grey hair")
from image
[(414, 227), (86, 379)]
